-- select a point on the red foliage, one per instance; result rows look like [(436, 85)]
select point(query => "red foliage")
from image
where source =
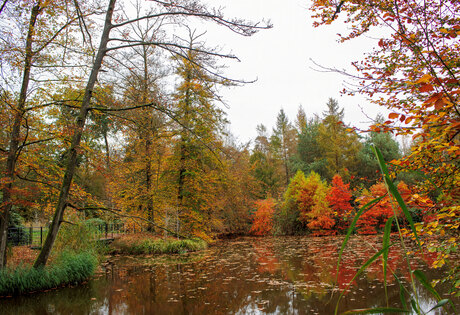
[(377, 216), (339, 198), (322, 225), (263, 217)]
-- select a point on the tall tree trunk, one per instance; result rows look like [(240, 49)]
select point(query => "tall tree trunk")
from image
[(148, 146), (14, 137), (107, 151), (76, 139)]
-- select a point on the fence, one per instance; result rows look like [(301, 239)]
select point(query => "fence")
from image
[(35, 236)]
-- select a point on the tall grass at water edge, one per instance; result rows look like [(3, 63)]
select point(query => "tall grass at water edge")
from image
[(418, 275), (160, 246), (69, 268)]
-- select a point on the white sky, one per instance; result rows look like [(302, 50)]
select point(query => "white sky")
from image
[(280, 59)]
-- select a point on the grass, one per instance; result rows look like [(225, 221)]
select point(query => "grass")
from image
[(147, 244), (69, 268)]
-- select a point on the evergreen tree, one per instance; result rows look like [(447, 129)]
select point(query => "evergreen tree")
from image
[(283, 142), (309, 156), (339, 145), (368, 166)]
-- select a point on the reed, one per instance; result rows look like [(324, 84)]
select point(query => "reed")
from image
[(69, 268)]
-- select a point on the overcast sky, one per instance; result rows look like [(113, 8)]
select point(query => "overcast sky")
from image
[(280, 60)]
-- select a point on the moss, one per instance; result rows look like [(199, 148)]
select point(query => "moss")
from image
[(69, 268)]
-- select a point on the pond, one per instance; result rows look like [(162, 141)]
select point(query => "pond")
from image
[(284, 275)]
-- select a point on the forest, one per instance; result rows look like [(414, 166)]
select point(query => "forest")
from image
[(113, 114)]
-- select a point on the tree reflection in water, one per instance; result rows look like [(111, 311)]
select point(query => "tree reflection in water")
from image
[(285, 275)]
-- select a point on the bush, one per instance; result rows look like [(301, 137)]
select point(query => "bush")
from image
[(69, 268), (77, 238)]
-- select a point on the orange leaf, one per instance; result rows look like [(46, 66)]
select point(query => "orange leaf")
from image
[(426, 88), (433, 98), (393, 115), (439, 104), (424, 79)]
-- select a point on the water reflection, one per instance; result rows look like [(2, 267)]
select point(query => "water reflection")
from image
[(289, 275)]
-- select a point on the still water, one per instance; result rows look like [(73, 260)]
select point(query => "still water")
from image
[(287, 275)]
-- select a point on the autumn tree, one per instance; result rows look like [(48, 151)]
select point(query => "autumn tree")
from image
[(339, 198), (265, 166), (196, 157), (236, 191), (115, 36), (301, 120), (287, 218), (413, 72), (314, 208), (34, 44), (339, 145), (263, 217), (375, 218)]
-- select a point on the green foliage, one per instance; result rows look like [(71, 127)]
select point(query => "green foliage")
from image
[(69, 268), (79, 237), (368, 165), (159, 246), (309, 155), (339, 144), (286, 221), (283, 143)]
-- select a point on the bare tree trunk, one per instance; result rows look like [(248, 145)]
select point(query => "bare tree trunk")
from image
[(14, 137), (76, 139)]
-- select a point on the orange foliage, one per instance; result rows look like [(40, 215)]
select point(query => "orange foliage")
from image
[(263, 217), (376, 216), (339, 198)]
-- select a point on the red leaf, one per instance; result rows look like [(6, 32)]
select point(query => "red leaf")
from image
[(426, 88)]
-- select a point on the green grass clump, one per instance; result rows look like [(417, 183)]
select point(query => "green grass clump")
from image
[(69, 268), (161, 246)]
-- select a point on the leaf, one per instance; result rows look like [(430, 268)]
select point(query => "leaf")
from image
[(394, 192), (352, 226), (426, 88), (439, 104), (424, 79), (377, 310), (440, 304), (386, 242), (424, 281), (393, 115)]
